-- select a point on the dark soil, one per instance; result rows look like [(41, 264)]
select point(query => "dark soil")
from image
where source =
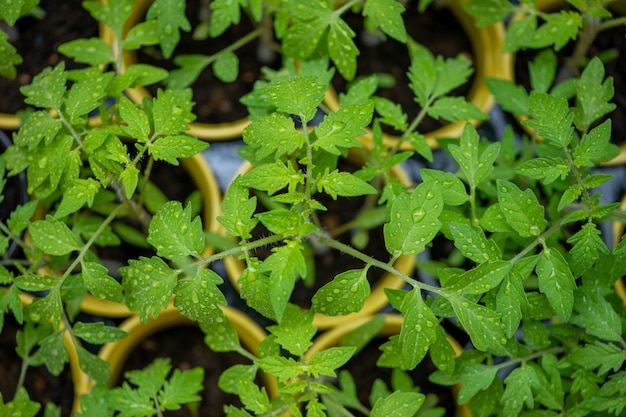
[(37, 42), (437, 29), (216, 101), (363, 369), (185, 346), (616, 68), (42, 386)]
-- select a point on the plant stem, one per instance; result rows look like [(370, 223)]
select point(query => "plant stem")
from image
[(242, 249)]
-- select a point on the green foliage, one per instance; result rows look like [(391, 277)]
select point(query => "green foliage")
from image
[(527, 276)]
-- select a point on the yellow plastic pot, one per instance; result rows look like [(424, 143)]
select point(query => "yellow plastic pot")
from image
[(377, 299), (393, 324), (203, 177), (489, 61), (618, 232), (116, 354), (205, 131)]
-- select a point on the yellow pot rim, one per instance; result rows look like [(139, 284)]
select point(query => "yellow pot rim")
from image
[(204, 131), (392, 326), (490, 61), (377, 298)]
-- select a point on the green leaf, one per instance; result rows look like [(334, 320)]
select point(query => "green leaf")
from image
[(21, 217), (9, 58), (489, 11), (299, 96), (171, 19), (173, 232), (172, 112), (97, 280), (521, 209), (327, 361), (254, 398), (474, 377), (601, 356), (98, 333), (596, 315), (545, 169), (294, 332), (475, 161), (473, 243), (273, 177), (137, 123), (221, 336), (588, 248), (144, 74), (198, 297), (339, 129), (510, 300), (452, 188), (238, 209), (80, 192), (274, 134), (39, 125), (47, 88), (558, 29), (226, 67), (480, 279), (142, 34), (556, 282), (353, 288), (518, 390), (53, 237), (280, 367), (398, 404), (224, 14), (414, 220), (285, 265), (112, 13), (481, 323), (435, 77), (341, 47), (594, 146), (92, 365), (593, 93), (418, 329), (182, 388), (231, 378), (344, 184), (305, 32), (512, 97), (455, 108), (12, 10), (551, 117), (148, 285), (92, 51), (386, 14)]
